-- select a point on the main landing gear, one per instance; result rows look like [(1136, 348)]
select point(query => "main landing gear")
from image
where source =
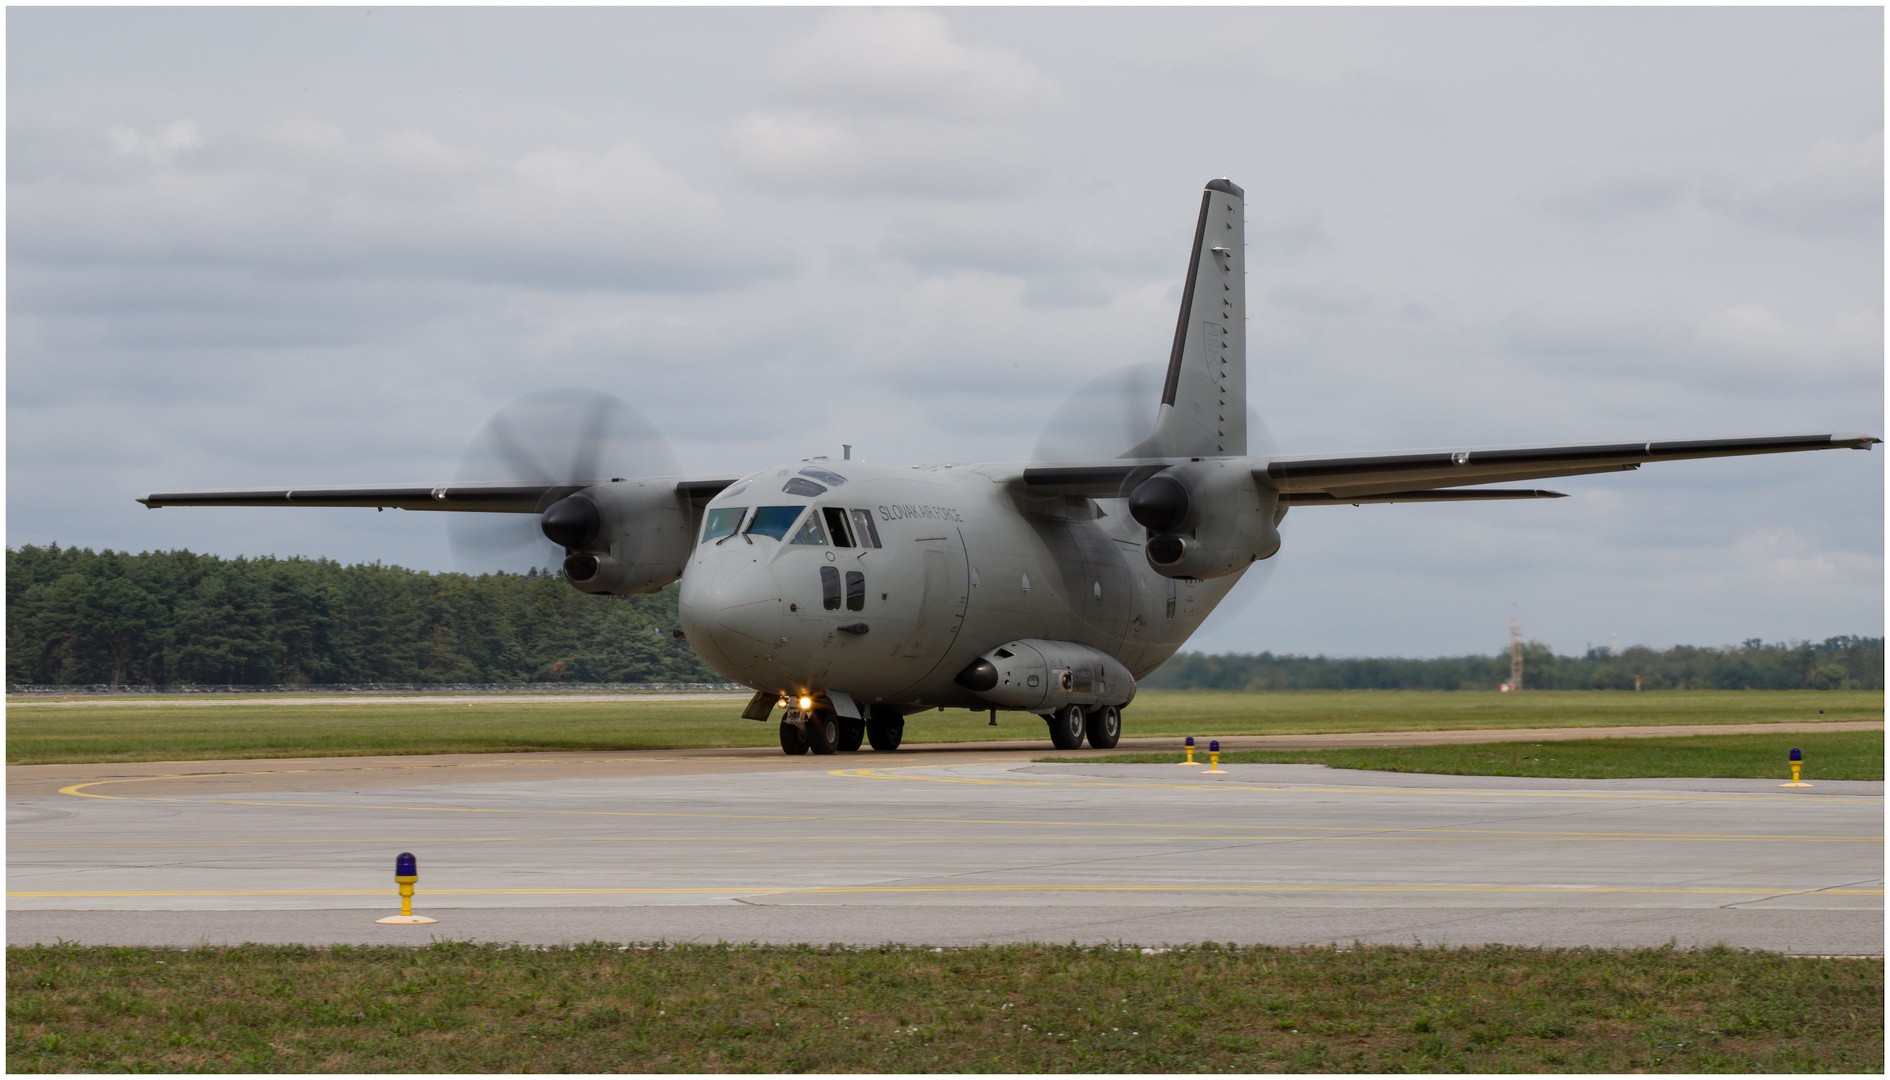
[(1071, 724), (824, 732)]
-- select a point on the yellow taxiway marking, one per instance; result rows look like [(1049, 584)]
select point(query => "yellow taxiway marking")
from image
[(1283, 832), (777, 890), (900, 772), (1245, 831)]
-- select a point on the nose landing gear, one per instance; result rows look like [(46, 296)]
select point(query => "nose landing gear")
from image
[(818, 730)]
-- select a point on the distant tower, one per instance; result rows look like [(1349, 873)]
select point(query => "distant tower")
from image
[(1515, 655)]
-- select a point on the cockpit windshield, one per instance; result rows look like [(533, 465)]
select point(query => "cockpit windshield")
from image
[(722, 521), (774, 521)]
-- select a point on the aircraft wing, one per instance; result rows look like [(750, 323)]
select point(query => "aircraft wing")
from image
[(527, 497), (1441, 475), (1349, 477)]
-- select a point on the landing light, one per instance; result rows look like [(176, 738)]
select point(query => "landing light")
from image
[(806, 702)]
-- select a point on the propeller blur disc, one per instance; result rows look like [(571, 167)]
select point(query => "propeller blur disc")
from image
[(562, 436), (1116, 410)]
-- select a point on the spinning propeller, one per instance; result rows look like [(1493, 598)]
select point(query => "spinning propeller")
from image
[(1116, 410), (568, 438)]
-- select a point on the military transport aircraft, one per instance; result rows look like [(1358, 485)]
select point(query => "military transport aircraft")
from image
[(851, 595)]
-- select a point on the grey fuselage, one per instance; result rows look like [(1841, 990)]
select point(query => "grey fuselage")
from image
[(968, 560)]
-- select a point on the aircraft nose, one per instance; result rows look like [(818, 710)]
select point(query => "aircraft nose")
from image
[(743, 601)]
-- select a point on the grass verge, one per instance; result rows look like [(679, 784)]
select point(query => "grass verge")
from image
[(1838, 755), (40, 732), (1021, 1008)]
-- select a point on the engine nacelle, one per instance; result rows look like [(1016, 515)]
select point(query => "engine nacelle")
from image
[(627, 536), (1043, 676), (1206, 519)]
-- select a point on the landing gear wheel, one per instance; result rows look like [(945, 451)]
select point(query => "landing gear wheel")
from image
[(792, 744), (1104, 727), (852, 733), (885, 733), (822, 732), (1066, 728)]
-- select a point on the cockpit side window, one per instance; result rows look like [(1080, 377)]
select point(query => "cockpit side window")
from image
[(831, 479), (809, 532), (837, 525), (863, 528), (800, 486), (774, 521), (722, 521)]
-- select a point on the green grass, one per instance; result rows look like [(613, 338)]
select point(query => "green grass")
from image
[(1019, 1008), (1837, 755), (40, 732)]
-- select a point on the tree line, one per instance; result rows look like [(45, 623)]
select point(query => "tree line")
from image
[(1838, 663), (177, 618)]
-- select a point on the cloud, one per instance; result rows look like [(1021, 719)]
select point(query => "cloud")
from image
[(1837, 187), (903, 62), (885, 101), (160, 146), (314, 197)]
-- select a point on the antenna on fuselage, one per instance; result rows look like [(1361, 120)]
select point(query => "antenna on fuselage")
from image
[(846, 451)]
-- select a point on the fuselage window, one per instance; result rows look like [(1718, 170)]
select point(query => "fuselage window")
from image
[(864, 530), (831, 479), (856, 591), (830, 588), (773, 521), (722, 521), (837, 525), (809, 532), (799, 486)]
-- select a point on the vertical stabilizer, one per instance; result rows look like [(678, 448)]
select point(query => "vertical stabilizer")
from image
[(1204, 399)]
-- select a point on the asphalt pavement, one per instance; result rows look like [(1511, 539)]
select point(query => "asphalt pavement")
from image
[(933, 847)]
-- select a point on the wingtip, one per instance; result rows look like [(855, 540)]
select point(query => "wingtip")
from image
[(1228, 186)]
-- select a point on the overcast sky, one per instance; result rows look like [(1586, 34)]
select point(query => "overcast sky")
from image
[(298, 247)]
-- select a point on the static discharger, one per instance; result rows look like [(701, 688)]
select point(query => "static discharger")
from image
[(406, 872), (1214, 757), (1798, 762), (1188, 745)]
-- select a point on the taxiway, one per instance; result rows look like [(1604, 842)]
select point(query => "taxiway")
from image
[(934, 847)]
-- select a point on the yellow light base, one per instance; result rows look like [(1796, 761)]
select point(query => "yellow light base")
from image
[(1795, 783), (406, 920), (1213, 772)]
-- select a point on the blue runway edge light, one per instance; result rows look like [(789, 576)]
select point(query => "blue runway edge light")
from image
[(405, 865), (1215, 746), (1796, 756), (1190, 741)]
